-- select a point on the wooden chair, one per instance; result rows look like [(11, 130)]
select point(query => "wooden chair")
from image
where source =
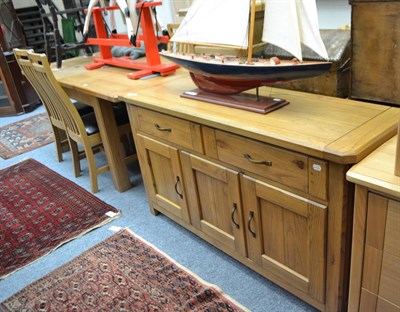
[(53, 112), (80, 130), (54, 115)]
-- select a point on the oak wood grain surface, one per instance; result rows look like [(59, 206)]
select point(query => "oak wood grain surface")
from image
[(341, 130)]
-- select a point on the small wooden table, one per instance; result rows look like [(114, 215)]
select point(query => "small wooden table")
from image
[(100, 89)]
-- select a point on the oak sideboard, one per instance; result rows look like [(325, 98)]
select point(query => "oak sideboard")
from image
[(269, 190)]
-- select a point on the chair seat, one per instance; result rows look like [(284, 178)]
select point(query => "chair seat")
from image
[(83, 108), (89, 119)]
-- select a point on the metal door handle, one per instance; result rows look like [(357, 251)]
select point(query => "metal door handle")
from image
[(162, 129), (251, 217), (258, 162), (176, 188), (234, 208)]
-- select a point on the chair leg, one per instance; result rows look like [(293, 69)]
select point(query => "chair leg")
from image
[(58, 140), (75, 158), (92, 169)]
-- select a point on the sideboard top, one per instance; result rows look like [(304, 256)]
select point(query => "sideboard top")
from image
[(340, 130)]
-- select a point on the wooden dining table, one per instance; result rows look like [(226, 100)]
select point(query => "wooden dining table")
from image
[(100, 89)]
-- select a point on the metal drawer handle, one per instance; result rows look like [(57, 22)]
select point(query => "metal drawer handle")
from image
[(258, 162), (162, 129), (234, 208), (251, 217), (176, 188)]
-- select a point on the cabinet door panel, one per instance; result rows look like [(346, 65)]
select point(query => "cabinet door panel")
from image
[(162, 173), (214, 201), (286, 235)]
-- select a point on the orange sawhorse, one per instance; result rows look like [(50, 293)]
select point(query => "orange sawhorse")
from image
[(144, 68)]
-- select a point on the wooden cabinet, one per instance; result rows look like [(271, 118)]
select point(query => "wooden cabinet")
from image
[(17, 96), (269, 190), (281, 232), (375, 268), (375, 68)]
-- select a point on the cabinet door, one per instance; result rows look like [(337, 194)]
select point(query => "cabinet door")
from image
[(381, 264), (162, 176), (214, 201), (286, 235)]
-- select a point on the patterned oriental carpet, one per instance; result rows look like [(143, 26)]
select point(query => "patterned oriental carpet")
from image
[(122, 273), (25, 135), (40, 210)]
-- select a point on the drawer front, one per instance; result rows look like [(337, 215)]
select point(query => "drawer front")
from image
[(274, 163), (172, 129)]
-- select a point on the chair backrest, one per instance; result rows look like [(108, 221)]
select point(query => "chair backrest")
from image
[(38, 71), (27, 69)]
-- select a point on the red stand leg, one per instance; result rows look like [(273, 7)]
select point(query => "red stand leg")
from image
[(153, 62)]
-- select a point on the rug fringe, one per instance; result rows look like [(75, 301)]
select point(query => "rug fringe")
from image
[(63, 243)]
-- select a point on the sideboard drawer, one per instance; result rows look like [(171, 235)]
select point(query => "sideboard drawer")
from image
[(277, 164), (172, 129)]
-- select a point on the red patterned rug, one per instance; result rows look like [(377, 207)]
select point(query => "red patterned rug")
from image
[(25, 135), (122, 273), (41, 210)]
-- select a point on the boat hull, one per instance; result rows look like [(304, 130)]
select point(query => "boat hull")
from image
[(224, 78)]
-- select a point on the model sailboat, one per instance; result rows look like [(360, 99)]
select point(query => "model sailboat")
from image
[(230, 23)]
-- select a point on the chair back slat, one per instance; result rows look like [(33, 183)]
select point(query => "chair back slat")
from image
[(28, 71), (52, 94)]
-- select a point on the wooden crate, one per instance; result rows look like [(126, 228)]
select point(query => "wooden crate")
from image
[(375, 69), (335, 82)]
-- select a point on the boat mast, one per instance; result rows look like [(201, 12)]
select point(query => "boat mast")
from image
[(251, 31)]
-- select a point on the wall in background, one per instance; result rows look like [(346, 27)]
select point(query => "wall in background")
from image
[(332, 13)]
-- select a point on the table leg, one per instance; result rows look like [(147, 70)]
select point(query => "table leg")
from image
[(112, 144), (110, 137)]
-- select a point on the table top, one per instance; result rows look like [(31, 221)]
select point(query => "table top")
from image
[(107, 82), (340, 130), (376, 171)]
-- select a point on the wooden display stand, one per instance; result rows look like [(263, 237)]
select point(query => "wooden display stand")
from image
[(245, 101), (153, 62)]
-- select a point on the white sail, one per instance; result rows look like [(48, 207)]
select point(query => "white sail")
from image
[(288, 23), (219, 22)]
